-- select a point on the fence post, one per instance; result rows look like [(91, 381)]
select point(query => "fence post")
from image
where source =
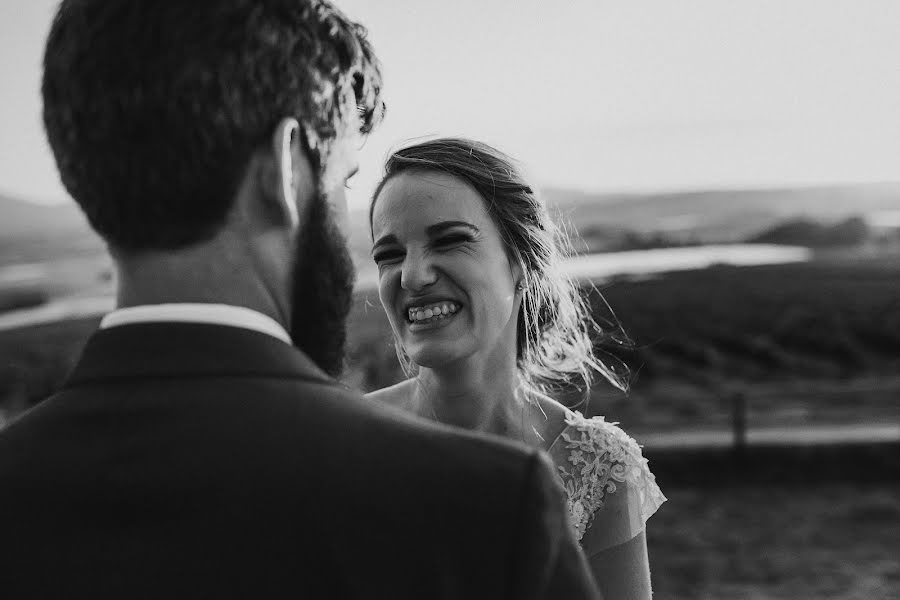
[(739, 423)]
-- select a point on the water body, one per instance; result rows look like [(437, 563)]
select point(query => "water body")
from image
[(25, 274), (598, 267), (57, 310), (592, 267)]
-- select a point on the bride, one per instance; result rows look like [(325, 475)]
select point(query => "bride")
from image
[(486, 325)]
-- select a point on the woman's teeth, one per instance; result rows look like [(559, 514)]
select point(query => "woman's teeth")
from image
[(441, 310)]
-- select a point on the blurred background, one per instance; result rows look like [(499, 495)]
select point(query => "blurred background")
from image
[(730, 176)]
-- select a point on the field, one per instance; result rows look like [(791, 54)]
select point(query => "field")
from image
[(807, 342), (834, 542), (828, 319)]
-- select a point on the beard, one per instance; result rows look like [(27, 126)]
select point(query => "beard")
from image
[(322, 289)]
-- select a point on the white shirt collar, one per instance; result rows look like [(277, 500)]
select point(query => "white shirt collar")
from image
[(216, 314)]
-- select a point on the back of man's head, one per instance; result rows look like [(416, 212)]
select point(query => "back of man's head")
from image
[(154, 107)]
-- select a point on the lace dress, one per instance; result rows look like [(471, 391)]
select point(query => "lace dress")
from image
[(610, 490)]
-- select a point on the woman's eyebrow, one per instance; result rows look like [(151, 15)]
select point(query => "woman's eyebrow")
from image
[(385, 240), (432, 231)]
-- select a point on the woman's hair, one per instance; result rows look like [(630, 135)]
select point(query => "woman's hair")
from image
[(556, 333)]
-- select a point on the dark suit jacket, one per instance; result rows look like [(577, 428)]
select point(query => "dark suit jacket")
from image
[(192, 460)]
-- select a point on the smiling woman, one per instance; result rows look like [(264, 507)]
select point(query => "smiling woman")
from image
[(488, 327), (464, 201), (437, 248)]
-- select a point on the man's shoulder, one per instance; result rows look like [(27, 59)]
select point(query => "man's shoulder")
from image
[(299, 415), (301, 430), (435, 458), (442, 447), (283, 450)]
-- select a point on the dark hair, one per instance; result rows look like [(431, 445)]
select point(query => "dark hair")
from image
[(556, 333), (154, 107)]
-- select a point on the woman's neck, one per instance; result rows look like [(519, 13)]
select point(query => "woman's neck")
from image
[(469, 402), (478, 396)]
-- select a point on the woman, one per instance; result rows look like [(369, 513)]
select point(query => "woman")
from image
[(486, 325)]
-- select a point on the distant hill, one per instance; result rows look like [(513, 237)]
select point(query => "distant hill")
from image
[(721, 215), (21, 219), (806, 232), (32, 232)]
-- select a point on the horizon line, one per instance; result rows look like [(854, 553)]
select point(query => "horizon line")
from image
[(7, 194)]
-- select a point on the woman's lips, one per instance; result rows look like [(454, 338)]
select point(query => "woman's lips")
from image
[(432, 312), (436, 321)]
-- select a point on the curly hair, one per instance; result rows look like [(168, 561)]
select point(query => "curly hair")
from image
[(556, 335), (154, 107)]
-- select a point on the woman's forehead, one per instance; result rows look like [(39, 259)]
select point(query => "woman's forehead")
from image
[(419, 199)]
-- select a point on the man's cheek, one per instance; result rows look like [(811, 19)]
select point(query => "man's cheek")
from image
[(338, 201)]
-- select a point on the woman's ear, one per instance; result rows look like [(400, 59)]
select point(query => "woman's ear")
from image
[(286, 148), (518, 275)]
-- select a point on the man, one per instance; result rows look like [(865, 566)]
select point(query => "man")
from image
[(194, 452)]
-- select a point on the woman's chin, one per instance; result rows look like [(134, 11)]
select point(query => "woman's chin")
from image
[(433, 357)]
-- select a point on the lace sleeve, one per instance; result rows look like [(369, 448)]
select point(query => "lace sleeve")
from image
[(609, 487)]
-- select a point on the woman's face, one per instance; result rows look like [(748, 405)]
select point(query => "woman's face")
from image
[(445, 280)]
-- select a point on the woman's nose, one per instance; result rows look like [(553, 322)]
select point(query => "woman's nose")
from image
[(418, 272)]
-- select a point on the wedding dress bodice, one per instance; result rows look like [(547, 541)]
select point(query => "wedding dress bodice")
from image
[(610, 490)]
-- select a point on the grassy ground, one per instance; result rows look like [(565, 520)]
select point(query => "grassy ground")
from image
[(829, 319), (667, 405), (837, 542)]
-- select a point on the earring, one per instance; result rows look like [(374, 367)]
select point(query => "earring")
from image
[(520, 287)]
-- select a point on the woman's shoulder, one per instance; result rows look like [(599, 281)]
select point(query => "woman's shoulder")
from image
[(548, 419), (594, 447), (563, 427), (598, 436), (598, 461), (398, 395)]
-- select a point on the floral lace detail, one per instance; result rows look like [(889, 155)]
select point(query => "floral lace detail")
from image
[(602, 456)]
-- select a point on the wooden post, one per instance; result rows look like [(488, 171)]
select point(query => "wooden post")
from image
[(739, 422)]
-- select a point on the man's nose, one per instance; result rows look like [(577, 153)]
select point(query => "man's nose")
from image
[(418, 273)]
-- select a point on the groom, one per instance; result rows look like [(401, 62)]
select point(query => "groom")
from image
[(194, 451)]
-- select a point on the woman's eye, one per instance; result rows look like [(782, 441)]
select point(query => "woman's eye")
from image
[(386, 256), (452, 240)]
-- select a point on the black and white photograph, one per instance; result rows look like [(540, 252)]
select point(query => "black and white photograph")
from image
[(519, 299)]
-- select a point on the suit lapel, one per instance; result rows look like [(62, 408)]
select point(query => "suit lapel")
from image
[(189, 350)]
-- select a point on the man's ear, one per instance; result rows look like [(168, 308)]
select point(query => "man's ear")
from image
[(280, 182), (286, 149)]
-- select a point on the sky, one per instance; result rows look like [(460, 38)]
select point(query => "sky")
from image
[(597, 95)]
